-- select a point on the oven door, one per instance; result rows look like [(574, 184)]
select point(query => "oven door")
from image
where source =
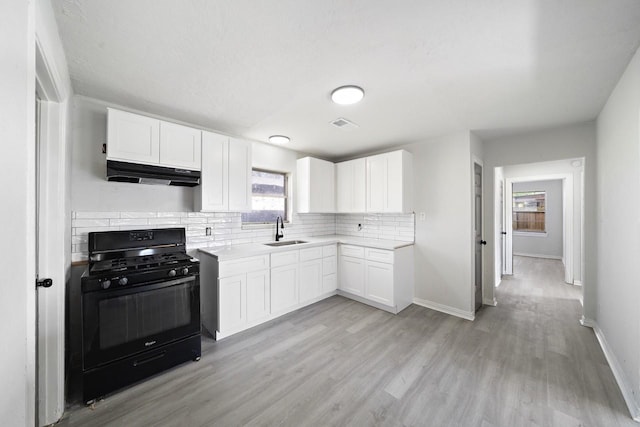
[(124, 322)]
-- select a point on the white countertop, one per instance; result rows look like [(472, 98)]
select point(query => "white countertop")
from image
[(224, 253)]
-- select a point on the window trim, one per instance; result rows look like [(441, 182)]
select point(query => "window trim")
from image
[(286, 197), (532, 233)]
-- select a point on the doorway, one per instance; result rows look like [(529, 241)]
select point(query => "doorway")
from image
[(477, 234)]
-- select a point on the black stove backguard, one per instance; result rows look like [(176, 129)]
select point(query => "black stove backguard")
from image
[(142, 319)]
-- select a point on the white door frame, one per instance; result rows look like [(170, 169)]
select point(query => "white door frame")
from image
[(567, 219), (53, 247)]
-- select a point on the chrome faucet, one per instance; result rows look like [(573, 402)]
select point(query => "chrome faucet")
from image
[(279, 234)]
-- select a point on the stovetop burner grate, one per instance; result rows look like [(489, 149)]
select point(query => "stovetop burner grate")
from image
[(147, 262)]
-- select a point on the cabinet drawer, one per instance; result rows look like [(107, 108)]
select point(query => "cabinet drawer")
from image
[(330, 250), (284, 258), (379, 255), (243, 265), (354, 251), (329, 265), (310, 253)]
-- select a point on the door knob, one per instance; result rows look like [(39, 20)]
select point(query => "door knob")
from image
[(483, 242)]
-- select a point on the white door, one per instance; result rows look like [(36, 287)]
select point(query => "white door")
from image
[(180, 146), (132, 138), (503, 232), (50, 310), (258, 298), (284, 287), (379, 282), (351, 272), (310, 279), (477, 230)]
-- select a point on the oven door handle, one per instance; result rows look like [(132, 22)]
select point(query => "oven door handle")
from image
[(127, 290)]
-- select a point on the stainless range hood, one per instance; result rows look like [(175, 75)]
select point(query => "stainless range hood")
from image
[(149, 174)]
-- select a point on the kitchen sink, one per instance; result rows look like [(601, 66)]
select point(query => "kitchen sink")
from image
[(286, 243)]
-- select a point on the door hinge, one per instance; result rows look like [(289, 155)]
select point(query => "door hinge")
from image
[(44, 283)]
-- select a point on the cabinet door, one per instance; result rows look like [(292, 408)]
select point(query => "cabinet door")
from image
[(213, 193), (258, 295), (310, 280), (239, 175), (180, 146), (344, 186), (326, 177), (379, 282), (351, 275), (284, 287), (132, 138), (351, 186), (329, 283), (232, 310), (377, 183)]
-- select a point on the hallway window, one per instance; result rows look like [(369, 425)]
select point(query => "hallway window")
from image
[(529, 211)]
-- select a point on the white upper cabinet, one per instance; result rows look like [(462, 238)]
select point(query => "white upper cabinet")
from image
[(139, 139), (226, 175), (239, 175), (315, 180), (351, 186), (180, 146), (132, 138), (389, 182)]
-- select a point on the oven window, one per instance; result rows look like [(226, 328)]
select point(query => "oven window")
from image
[(132, 317)]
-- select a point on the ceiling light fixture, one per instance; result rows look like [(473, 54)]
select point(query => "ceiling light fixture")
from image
[(345, 95), (279, 139)]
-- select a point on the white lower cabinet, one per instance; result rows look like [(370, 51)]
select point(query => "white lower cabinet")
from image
[(240, 293), (382, 278), (379, 279), (258, 295), (310, 280), (352, 275), (232, 312), (284, 287)]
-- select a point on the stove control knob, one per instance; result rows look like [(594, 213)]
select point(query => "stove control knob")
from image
[(106, 284), (172, 273), (123, 281), (185, 271)]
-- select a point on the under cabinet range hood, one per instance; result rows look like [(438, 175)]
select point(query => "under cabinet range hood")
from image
[(150, 174)]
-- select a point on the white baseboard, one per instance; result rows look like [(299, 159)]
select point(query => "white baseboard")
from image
[(539, 256), (577, 282), (618, 373), (445, 309), (492, 303)]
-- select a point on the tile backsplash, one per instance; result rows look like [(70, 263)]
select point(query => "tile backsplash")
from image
[(227, 229), (377, 226)]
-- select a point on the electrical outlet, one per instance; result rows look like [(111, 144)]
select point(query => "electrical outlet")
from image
[(207, 231), (423, 216)]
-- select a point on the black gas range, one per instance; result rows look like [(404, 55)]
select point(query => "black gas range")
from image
[(140, 305)]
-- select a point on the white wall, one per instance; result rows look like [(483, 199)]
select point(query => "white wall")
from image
[(442, 183), (549, 244), (618, 225), (17, 258), (567, 142)]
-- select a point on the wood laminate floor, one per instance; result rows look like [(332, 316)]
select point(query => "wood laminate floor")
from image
[(338, 362)]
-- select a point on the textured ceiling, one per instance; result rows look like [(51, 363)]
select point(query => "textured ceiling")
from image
[(257, 68)]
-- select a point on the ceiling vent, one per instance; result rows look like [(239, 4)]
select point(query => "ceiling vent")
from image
[(343, 123)]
